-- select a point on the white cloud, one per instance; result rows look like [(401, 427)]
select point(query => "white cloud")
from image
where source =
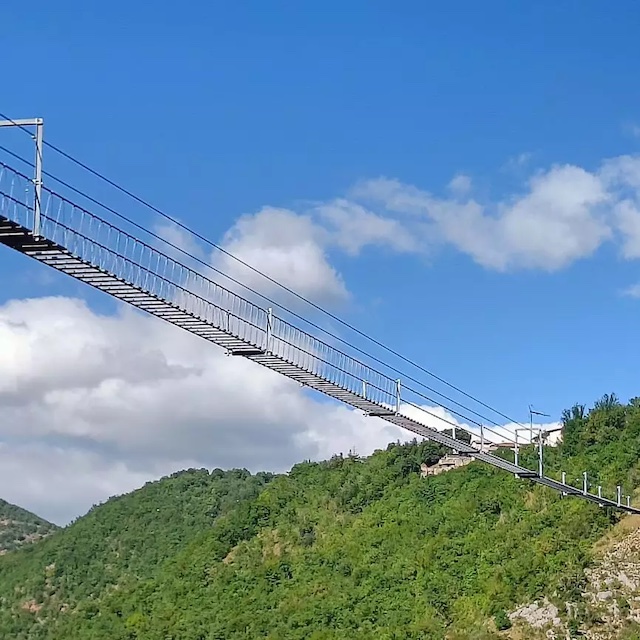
[(633, 291), (132, 397), (440, 419), (632, 129), (561, 215), (62, 483), (627, 220), (288, 247), (460, 184), (518, 162), (180, 238), (353, 227), (554, 224), (96, 405), (564, 214)]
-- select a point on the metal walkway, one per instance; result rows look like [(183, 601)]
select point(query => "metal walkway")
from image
[(88, 248)]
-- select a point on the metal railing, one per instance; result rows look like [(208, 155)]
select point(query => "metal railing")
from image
[(99, 244)]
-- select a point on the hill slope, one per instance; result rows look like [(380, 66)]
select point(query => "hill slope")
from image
[(19, 527), (347, 548)]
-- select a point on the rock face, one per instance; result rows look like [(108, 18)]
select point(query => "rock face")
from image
[(446, 463), (19, 527), (538, 615), (610, 602), (613, 591)]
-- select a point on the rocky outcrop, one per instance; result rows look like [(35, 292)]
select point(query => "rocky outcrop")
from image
[(610, 602)]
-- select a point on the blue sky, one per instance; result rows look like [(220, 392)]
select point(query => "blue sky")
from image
[(216, 110)]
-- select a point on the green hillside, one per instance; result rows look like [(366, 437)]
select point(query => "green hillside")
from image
[(19, 527), (348, 548)]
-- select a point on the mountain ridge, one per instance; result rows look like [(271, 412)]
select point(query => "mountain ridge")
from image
[(19, 527), (350, 547)]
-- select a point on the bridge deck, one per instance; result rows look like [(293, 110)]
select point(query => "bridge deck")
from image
[(89, 249)]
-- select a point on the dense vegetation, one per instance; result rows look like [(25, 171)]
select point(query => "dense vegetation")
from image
[(19, 527), (347, 548)]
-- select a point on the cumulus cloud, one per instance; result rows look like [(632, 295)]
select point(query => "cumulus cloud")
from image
[(633, 291), (439, 418), (563, 214), (180, 241), (556, 222), (289, 248), (95, 405), (353, 227), (460, 184), (131, 397), (62, 483), (560, 215), (632, 129)]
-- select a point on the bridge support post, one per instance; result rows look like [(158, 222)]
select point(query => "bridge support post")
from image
[(37, 180), (38, 123), (540, 468), (269, 329)]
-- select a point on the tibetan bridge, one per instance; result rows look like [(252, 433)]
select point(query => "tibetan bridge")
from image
[(49, 228)]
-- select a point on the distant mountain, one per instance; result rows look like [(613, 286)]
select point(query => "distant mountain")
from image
[(19, 527)]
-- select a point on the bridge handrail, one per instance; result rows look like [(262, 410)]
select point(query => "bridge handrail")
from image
[(99, 242)]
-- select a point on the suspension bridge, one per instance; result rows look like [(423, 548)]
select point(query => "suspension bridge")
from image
[(49, 228)]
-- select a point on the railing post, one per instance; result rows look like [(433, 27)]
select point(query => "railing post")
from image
[(628, 501), (540, 468), (482, 438), (269, 329), (584, 482), (515, 451), (38, 123), (398, 388), (364, 389), (37, 180), (619, 490), (564, 481), (599, 491)]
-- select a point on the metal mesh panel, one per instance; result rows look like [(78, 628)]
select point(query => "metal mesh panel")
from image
[(101, 244)]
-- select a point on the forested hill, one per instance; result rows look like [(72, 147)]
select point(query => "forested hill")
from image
[(347, 548), (19, 527)]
